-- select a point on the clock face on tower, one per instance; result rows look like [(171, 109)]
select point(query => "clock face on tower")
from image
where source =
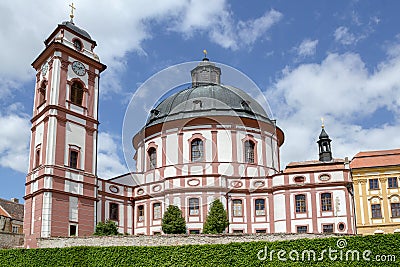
[(78, 68)]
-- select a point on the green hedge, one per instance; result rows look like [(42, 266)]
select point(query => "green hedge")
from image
[(234, 254)]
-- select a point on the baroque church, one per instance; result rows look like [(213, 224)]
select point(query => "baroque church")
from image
[(210, 141)]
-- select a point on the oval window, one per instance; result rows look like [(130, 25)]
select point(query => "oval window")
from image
[(299, 179), (114, 189)]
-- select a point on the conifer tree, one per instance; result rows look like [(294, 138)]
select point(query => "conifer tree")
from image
[(173, 222), (107, 228), (216, 221)]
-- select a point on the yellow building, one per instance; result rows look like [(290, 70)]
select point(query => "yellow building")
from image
[(376, 191)]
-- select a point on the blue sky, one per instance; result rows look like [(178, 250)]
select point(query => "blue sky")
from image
[(334, 59)]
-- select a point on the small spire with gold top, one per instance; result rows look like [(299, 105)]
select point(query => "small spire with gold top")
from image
[(205, 55), (71, 15)]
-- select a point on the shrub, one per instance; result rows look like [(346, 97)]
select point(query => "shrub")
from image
[(216, 221), (107, 228), (173, 222)]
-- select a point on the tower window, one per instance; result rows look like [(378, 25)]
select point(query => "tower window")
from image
[(77, 44), (326, 201), (37, 158), (249, 152), (73, 229), (42, 92), (197, 150), (237, 207), (193, 206), (300, 203), (152, 153), (76, 95), (114, 211), (73, 159)]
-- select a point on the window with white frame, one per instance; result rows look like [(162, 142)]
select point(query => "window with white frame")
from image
[(194, 206), (237, 207), (260, 207)]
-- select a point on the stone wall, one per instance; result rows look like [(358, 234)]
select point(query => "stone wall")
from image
[(11, 240), (167, 240)]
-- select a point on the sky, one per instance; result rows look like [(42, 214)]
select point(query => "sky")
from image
[(334, 59)]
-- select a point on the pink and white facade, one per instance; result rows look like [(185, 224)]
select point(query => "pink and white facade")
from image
[(206, 142)]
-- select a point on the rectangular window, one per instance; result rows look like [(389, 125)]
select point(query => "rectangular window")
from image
[(327, 228), (73, 159), (114, 211), (392, 182), (261, 231), (301, 229), (238, 231), (140, 213), (194, 206), (15, 229), (37, 158), (373, 184), (73, 230), (326, 201), (300, 203), (260, 207), (194, 232), (395, 207), (156, 211), (237, 207), (376, 211)]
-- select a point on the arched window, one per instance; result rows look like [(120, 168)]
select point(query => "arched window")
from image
[(76, 94), (197, 150), (42, 92), (152, 153), (249, 151)]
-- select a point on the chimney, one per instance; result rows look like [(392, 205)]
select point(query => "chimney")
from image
[(15, 200)]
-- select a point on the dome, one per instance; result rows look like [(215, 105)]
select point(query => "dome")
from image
[(76, 29), (207, 101)]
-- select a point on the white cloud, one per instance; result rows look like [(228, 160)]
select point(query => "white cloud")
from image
[(120, 27), (307, 48), (249, 31), (344, 36), (342, 90), (109, 163), (14, 140)]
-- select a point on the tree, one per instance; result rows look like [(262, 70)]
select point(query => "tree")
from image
[(216, 221), (107, 228), (173, 222)]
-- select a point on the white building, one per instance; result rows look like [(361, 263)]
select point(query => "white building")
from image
[(206, 142)]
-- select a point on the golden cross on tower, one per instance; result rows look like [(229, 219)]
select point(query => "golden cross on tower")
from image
[(72, 11), (205, 53), (322, 121)]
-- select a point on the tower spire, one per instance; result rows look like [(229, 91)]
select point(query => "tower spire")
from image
[(71, 15), (324, 145)]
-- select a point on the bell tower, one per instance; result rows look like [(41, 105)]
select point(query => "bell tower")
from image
[(60, 194), (324, 145)]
